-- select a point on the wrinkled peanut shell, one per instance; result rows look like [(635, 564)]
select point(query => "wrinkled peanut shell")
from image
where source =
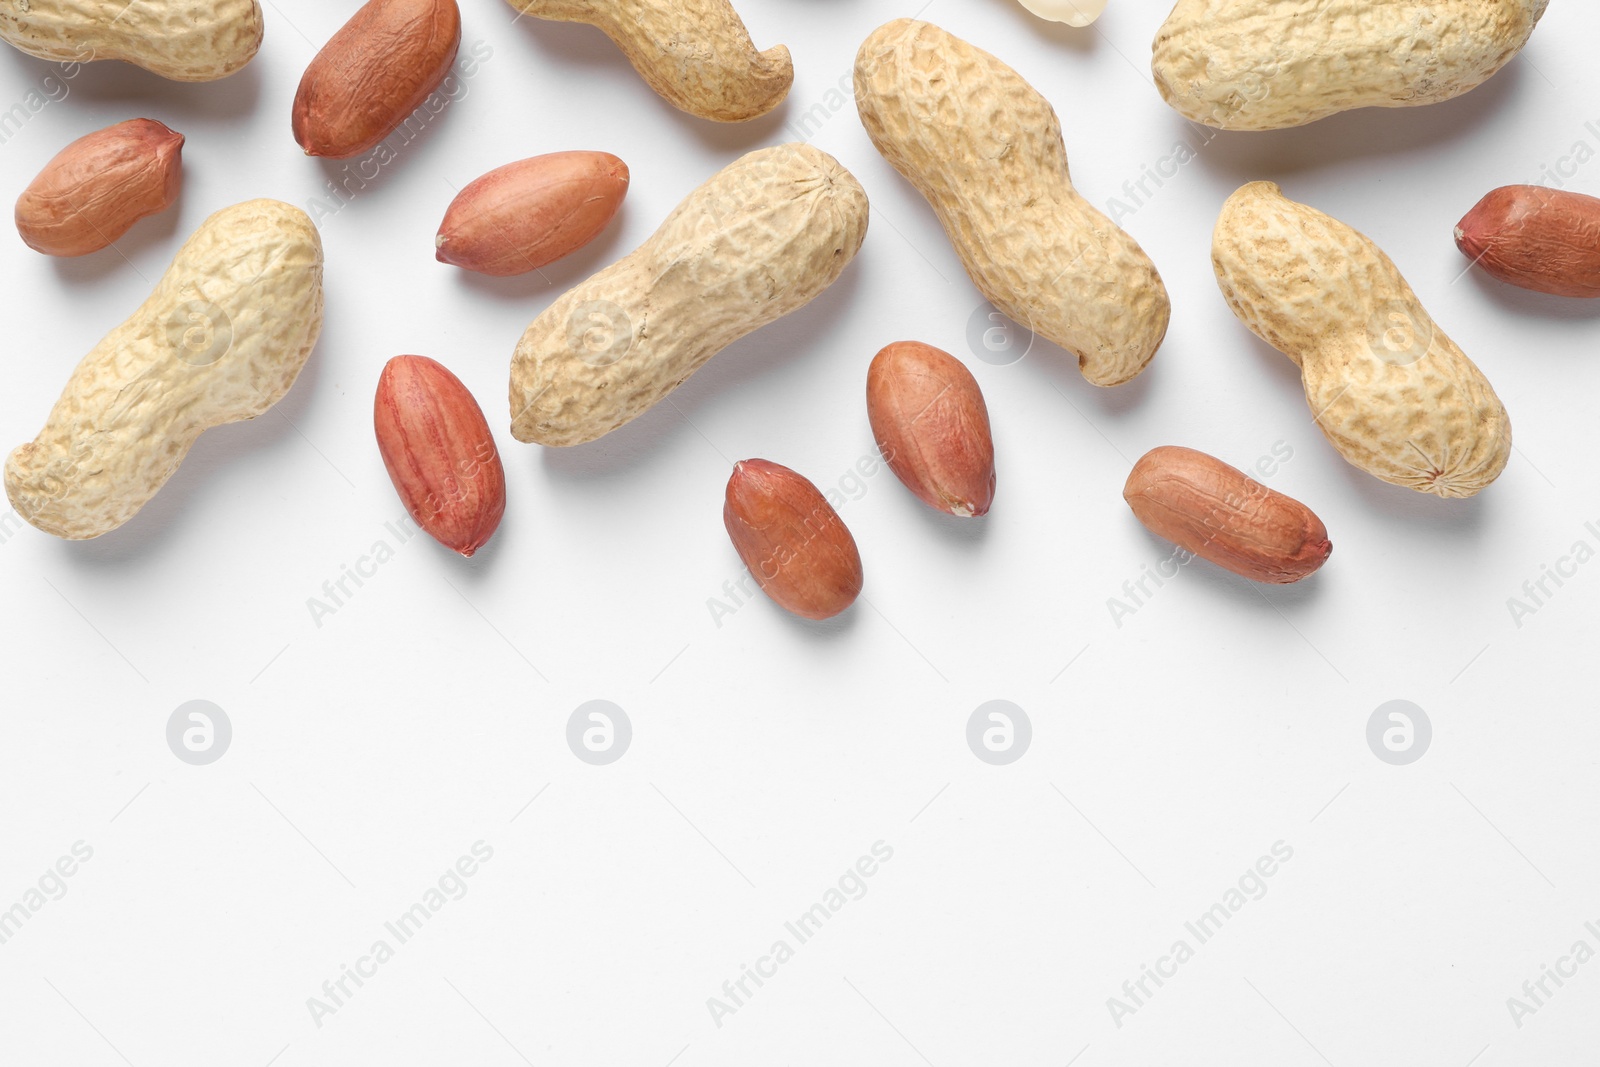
[(761, 238), (696, 54), (184, 40), (984, 148), (1387, 386), (1272, 64), (220, 339)]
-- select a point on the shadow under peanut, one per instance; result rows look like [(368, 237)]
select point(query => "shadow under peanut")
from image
[(1461, 518), (1518, 301), (971, 532), (552, 279), (123, 253), (825, 631), (134, 90), (1366, 133), (1223, 584), (1060, 369)]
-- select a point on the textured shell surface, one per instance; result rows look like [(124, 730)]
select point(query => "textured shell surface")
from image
[(696, 54), (985, 149), (184, 40), (1392, 392), (1272, 64), (761, 238), (221, 339)]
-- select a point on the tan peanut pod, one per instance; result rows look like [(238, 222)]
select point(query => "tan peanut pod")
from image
[(696, 54), (985, 149), (184, 40), (1388, 388), (1271, 64), (221, 339), (766, 235)]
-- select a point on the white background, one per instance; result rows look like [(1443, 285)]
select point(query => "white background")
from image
[(1169, 753)]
